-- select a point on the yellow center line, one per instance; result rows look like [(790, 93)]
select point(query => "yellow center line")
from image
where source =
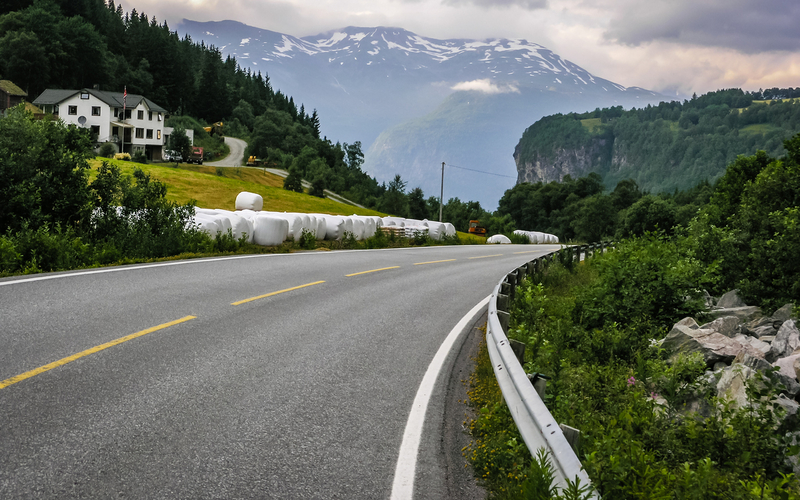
[(55, 364), (485, 256), (274, 293), (529, 251), (372, 271), (434, 262)]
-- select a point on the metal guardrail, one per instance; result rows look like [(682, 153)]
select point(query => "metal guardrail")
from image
[(534, 421)]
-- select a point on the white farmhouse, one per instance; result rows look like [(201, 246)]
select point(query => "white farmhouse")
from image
[(139, 128)]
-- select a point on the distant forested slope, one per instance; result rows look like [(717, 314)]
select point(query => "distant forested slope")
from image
[(670, 146), (73, 44)]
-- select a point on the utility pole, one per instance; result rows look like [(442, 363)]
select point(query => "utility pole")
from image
[(441, 195)]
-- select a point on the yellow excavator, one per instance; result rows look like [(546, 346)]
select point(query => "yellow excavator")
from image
[(214, 129), (476, 228)]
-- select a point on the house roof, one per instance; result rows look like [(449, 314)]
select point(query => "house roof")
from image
[(113, 99), (9, 88)]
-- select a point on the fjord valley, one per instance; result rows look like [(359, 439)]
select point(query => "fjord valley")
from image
[(415, 102)]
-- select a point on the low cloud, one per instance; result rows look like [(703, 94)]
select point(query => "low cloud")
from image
[(747, 26), (486, 86), (489, 4)]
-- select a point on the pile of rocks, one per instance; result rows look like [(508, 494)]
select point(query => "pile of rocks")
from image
[(738, 343)]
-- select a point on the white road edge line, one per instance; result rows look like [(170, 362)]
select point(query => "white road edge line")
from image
[(405, 471), (136, 267)]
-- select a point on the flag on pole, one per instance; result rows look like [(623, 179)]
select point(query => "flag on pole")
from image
[(124, 102)]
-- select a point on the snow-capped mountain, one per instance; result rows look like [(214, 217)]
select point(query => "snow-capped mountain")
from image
[(392, 83)]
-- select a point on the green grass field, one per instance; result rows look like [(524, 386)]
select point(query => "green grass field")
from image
[(209, 190), (758, 128), (592, 124)]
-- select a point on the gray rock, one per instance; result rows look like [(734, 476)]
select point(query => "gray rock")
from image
[(764, 331), (714, 346), (755, 343), (746, 313), (732, 384), (719, 365), (690, 322), (786, 365), (708, 300), (726, 325), (797, 369), (730, 299), (759, 322), (783, 313), (759, 364), (791, 406), (786, 341), (755, 363), (767, 338)]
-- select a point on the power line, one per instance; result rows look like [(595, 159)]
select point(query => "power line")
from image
[(480, 171)]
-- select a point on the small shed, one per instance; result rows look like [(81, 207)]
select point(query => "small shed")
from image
[(10, 95)]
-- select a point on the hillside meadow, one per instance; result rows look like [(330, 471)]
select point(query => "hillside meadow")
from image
[(209, 190)]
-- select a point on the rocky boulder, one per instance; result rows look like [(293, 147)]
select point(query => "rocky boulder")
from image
[(729, 300), (786, 341), (726, 325), (714, 346)]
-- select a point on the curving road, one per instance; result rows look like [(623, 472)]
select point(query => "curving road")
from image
[(236, 156), (269, 376)]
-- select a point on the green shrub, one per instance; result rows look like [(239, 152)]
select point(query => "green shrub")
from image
[(107, 150), (644, 279)]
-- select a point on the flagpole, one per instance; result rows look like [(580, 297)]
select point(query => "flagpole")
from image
[(124, 112)]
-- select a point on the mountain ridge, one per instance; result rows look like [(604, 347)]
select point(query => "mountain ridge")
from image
[(368, 82)]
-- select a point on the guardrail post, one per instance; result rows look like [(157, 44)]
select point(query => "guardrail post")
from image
[(519, 350), (513, 281), (502, 302), (503, 317), (573, 436)]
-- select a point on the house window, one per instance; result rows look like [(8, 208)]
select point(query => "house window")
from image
[(73, 110), (140, 133), (149, 133), (95, 131), (127, 114), (115, 131), (158, 135), (150, 115), (95, 110), (140, 115), (159, 117), (84, 95)]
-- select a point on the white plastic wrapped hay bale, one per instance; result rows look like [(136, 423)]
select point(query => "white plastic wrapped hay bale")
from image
[(436, 230), (239, 225), (348, 225), (322, 227), (369, 225), (394, 221), (358, 228), (206, 224), (270, 231), (450, 230), (498, 238), (295, 223), (334, 227), (249, 201)]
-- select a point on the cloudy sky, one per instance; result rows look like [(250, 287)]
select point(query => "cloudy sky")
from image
[(669, 46)]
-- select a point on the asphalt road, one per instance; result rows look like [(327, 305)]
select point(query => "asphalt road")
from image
[(299, 394), (236, 156)]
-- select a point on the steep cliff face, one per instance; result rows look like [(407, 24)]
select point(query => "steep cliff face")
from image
[(540, 166)]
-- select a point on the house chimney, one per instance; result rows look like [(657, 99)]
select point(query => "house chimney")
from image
[(96, 86)]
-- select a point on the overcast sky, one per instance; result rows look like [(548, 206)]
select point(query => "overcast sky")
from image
[(664, 45)]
